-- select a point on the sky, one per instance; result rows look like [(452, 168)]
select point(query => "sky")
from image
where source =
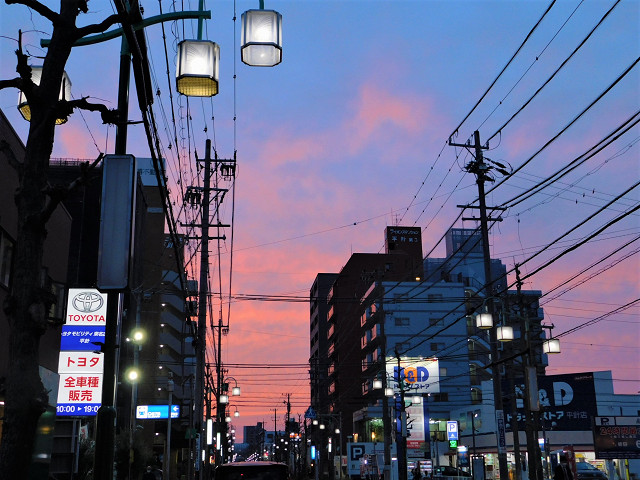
[(349, 134)]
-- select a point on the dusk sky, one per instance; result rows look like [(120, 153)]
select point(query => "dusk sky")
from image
[(349, 135)]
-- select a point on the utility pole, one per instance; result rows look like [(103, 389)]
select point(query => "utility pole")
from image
[(531, 402), (201, 344), (480, 169), (402, 431)]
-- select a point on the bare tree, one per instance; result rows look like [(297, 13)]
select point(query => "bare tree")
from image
[(28, 303)]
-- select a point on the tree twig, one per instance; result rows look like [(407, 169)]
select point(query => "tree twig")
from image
[(46, 12), (98, 27), (65, 108), (14, 82)]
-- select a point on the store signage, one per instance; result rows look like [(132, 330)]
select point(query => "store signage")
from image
[(146, 412), (567, 402), (78, 337), (616, 437), (80, 364), (417, 375)]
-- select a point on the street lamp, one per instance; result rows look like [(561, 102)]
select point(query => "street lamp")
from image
[(197, 69), (261, 37), (36, 75), (551, 346)]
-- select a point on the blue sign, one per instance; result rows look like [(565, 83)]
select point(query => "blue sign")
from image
[(81, 337), (155, 412), (452, 430), (75, 409)]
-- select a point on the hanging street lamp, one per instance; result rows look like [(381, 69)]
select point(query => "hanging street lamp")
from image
[(261, 37), (197, 69)]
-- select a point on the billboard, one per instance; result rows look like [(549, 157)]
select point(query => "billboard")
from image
[(567, 402), (80, 364), (616, 437), (417, 375)]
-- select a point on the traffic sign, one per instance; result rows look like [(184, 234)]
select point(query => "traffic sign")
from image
[(452, 430), (310, 413)]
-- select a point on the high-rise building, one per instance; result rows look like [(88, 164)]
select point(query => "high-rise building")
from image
[(385, 315)]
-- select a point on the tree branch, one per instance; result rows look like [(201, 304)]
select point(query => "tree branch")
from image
[(60, 192), (14, 82), (11, 156), (38, 7), (65, 108), (98, 27)]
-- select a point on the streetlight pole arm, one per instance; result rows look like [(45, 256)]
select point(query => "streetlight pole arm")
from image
[(118, 32)]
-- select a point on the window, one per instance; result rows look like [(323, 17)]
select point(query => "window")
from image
[(401, 321), (440, 397), (437, 346), (6, 257), (434, 297), (433, 322)]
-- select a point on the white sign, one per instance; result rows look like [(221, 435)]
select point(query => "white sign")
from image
[(417, 375), (80, 388), (80, 362), (86, 306)]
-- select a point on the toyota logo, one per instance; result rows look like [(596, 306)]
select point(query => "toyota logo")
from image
[(87, 302)]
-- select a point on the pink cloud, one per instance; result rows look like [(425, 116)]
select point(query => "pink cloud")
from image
[(377, 110)]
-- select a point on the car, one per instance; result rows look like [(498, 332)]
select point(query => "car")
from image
[(586, 471), (252, 471), (448, 471)]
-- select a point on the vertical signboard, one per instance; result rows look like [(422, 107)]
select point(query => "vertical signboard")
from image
[(501, 433), (80, 364)]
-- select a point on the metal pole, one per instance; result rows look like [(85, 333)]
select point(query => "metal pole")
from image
[(402, 438), (202, 307), (167, 474)]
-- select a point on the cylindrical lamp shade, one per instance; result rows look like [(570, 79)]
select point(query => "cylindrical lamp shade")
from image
[(551, 346), (484, 320), (261, 38), (235, 391), (197, 70), (388, 392), (224, 398), (377, 384), (504, 334), (36, 75)]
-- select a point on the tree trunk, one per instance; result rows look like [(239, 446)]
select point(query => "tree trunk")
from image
[(27, 306)]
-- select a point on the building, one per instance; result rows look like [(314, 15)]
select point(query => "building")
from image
[(388, 321)]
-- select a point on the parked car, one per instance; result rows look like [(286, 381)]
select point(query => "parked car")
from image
[(448, 471), (586, 471), (252, 471)]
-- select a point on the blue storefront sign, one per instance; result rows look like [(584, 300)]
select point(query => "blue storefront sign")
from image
[(81, 338), (155, 412)]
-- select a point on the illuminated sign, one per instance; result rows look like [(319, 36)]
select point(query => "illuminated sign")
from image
[(79, 337), (146, 412), (417, 375), (80, 364), (452, 430)]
